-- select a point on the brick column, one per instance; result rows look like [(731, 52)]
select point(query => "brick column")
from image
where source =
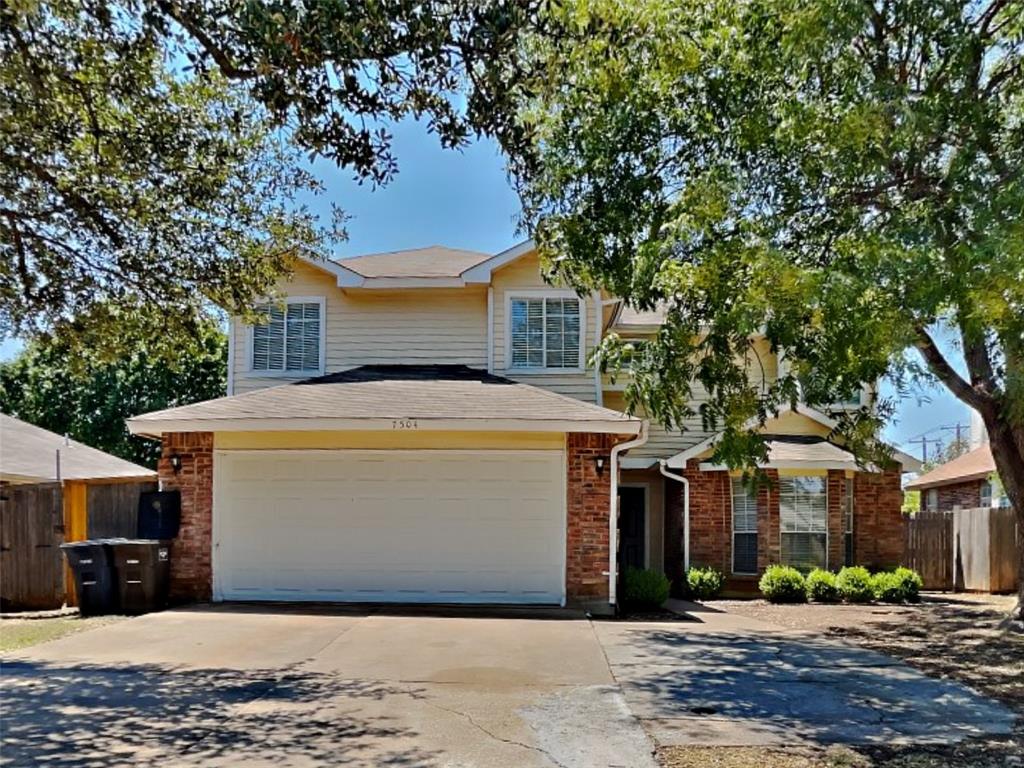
[(878, 522), (836, 489), (589, 494), (769, 533), (191, 567)]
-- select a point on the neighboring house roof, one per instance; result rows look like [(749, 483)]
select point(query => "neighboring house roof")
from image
[(28, 454), (432, 261), (975, 465), (436, 266), (383, 397)]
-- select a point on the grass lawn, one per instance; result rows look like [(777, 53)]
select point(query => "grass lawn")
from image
[(945, 636), (21, 633)]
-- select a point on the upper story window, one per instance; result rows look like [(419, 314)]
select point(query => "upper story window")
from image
[(986, 493), (544, 332), (803, 513), (291, 341)]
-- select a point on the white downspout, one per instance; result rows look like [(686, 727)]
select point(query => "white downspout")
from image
[(613, 507), (490, 329), (686, 511)]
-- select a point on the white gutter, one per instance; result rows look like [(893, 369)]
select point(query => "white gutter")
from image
[(613, 508), (663, 465)]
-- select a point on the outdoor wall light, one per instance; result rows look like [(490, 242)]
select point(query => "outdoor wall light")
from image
[(599, 465), (176, 463)]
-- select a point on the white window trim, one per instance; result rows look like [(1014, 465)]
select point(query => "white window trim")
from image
[(251, 372), (756, 532), (544, 294), (826, 531)]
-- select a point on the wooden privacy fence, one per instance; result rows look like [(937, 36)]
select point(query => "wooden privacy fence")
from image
[(31, 532), (36, 519), (930, 548), (969, 549)]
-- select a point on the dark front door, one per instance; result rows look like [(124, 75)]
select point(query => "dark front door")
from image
[(632, 528)]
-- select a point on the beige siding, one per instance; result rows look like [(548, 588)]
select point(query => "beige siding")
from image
[(442, 326), (524, 275), (661, 443)]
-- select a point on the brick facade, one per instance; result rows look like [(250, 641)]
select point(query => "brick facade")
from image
[(191, 567), (878, 522), (966, 495), (586, 579)]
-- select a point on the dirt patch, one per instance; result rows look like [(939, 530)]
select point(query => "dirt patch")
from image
[(22, 633), (959, 637)]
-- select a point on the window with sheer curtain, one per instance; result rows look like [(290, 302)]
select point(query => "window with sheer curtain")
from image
[(545, 333), (803, 515), (290, 339)]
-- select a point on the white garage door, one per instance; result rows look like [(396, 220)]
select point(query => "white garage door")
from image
[(387, 526)]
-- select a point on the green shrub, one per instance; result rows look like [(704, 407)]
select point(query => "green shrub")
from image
[(886, 587), (900, 586), (910, 583), (821, 586), (782, 584), (855, 585), (704, 583), (645, 589)]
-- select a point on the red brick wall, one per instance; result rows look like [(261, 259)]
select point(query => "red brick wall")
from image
[(878, 522), (966, 495), (879, 538), (588, 508), (191, 569)]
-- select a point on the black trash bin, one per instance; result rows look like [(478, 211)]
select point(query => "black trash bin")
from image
[(143, 573), (95, 580)]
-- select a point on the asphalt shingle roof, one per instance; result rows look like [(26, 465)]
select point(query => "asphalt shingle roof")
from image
[(971, 466), (29, 454), (432, 261), (448, 392)]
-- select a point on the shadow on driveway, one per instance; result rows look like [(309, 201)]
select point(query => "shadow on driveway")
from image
[(92, 715), (700, 687)]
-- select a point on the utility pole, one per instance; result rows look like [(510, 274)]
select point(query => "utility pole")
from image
[(924, 446)]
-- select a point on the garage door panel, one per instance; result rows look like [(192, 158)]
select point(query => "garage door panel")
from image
[(440, 526)]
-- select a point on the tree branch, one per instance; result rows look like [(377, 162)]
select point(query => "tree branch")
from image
[(227, 67), (939, 365)]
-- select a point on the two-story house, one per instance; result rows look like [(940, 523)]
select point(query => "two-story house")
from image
[(422, 426)]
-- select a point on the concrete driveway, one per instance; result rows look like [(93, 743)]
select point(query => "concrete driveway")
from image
[(298, 686), (259, 686), (728, 680)]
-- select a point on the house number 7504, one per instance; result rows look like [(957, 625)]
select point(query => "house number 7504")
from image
[(404, 424)]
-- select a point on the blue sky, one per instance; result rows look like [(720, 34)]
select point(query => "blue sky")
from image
[(462, 199)]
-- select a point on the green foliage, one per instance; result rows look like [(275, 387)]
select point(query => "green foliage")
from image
[(88, 396), (645, 588), (843, 178), (704, 583), (855, 585), (783, 584), (821, 586), (910, 584), (887, 587), (155, 155)]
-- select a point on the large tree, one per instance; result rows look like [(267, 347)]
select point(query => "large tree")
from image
[(151, 150), (76, 389), (844, 176)]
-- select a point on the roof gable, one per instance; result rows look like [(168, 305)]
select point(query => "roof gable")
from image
[(974, 465)]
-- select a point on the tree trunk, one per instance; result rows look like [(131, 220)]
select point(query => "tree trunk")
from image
[(1009, 460)]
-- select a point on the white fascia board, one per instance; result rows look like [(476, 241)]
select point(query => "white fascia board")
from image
[(391, 283), (156, 427), (637, 463), (706, 466), (481, 273)]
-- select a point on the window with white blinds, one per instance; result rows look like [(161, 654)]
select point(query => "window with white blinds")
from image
[(545, 333), (744, 527), (290, 339), (803, 516)]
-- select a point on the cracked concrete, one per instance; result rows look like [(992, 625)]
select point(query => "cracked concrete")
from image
[(297, 685), (306, 686), (728, 680)]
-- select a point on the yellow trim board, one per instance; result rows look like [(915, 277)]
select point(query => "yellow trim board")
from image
[(401, 439)]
